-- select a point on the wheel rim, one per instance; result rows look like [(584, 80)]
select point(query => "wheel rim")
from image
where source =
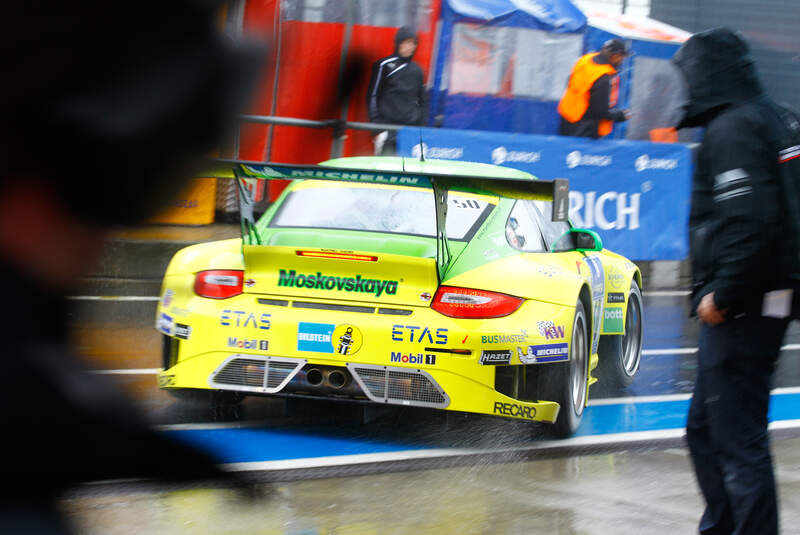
[(578, 360), (632, 339)]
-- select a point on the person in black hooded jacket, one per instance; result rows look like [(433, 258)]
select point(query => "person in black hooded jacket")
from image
[(396, 93), (742, 270)]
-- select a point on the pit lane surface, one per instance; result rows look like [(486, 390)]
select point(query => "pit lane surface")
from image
[(283, 437)]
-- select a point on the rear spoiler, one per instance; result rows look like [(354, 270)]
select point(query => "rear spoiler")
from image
[(440, 184)]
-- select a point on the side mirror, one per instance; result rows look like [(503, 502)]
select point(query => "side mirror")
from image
[(587, 240), (578, 239)]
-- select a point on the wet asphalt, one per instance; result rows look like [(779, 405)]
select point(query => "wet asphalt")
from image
[(631, 490)]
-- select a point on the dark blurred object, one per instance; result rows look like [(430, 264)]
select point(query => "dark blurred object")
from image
[(107, 98), (106, 111)]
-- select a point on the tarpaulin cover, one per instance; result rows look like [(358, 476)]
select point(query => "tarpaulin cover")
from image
[(635, 194), (499, 56)]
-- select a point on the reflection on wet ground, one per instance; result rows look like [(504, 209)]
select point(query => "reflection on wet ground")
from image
[(621, 493)]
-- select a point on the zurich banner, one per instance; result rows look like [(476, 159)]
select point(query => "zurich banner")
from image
[(635, 194)]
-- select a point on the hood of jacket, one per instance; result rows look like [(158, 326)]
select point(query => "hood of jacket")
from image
[(718, 71), (402, 34)]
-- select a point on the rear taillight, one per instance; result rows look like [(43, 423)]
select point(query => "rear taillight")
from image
[(470, 303), (218, 283)]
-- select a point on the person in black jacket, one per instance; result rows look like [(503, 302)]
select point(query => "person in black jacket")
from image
[(742, 272), (109, 112), (396, 93)]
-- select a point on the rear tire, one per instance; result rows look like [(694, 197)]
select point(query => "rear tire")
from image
[(567, 382), (621, 354)]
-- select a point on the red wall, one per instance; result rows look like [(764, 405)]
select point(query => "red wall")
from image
[(308, 80)]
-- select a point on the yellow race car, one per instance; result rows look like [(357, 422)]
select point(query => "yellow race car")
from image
[(452, 285)]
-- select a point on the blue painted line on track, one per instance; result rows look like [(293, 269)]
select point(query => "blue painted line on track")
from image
[(276, 444)]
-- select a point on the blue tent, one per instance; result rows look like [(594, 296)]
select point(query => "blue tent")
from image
[(503, 64)]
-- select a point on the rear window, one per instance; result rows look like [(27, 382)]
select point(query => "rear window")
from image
[(388, 210)]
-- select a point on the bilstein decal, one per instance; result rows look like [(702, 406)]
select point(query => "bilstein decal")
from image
[(318, 281)]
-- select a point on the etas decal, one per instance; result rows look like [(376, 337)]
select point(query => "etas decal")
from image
[(318, 281), (414, 333), (243, 318)]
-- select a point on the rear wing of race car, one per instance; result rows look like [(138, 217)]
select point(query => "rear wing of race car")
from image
[(246, 173)]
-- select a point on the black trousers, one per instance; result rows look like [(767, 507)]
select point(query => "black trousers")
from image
[(727, 425)]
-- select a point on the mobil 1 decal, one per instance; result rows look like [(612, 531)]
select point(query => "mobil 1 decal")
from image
[(598, 281)]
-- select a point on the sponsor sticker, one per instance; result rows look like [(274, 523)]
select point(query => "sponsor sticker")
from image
[(503, 338), (645, 162), (498, 356), (513, 409), (543, 353), (182, 331), (165, 324), (166, 380), (315, 337), (612, 319), (347, 339), (421, 334), (245, 319), (318, 281), (616, 279), (616, 297), (166, 301), (412, 358), (244, 343), (344, 339), (550, 330)]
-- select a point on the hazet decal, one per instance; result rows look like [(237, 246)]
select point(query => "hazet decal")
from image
[(409, 333), (318, 281), (166, 301), (491, 356), (182, 331)]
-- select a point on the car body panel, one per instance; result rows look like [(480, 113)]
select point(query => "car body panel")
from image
[(334, 320)]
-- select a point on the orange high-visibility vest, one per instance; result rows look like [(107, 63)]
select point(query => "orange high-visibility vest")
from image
[(575, 101)]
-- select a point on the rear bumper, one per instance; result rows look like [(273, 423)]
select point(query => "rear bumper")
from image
[(438, 388)]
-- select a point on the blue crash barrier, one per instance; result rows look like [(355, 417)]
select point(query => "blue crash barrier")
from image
[(635, 194)]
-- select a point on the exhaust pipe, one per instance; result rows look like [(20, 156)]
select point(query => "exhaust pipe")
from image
[(337, 379), (314, 377)]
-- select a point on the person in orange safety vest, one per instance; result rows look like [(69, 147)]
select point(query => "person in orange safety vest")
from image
[(587, 108)]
